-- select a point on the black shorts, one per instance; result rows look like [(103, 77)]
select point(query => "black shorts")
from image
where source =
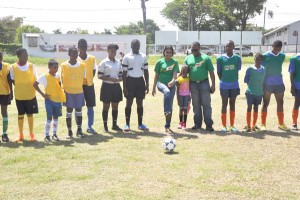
[(4, 100), (111, 93), (135, 87), (27, 106), (89, 95)]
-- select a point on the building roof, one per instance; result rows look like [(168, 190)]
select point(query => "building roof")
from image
[(280, 28)]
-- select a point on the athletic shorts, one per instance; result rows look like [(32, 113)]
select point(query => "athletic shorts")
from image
[(184, 101), (27, 106), (4, 100), (135, 87), (230, 93), (297, 93), (89, 95), (253, 99), (276, 89), (111, 93), (74, 100), (53, 108)]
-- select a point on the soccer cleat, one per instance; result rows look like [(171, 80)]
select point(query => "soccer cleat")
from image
[(91, 130), (180, 125), (5, 138), (55, 138), (31, 137), (183, 127), (20, 138), (47, 139), (246, 129), (70, 135), (116, 128), (126, 128), (143, 127), (224, 129), (79, 133), (295, 127), (233, 129), (255, 128), (283, 127), (263, 127)]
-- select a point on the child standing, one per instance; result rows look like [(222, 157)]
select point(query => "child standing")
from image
[(24, 75), (183, 95), (73, 74), (53, 96), (255, 79), (6, 95)]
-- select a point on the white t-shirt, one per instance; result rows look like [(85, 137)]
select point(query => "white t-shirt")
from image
[(135, 64), (109, 68), (23, 68)]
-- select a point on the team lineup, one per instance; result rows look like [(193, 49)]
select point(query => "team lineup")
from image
[(72, 86)]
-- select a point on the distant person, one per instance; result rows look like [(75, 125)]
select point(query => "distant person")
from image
[(228, 66), (54, 97), (110, 72), (24, 75), (255, 80), (200, 65), (294, 70), (6, 95), (135, 82), (272, 62), (88, 89), (73, 73), (166, 70)]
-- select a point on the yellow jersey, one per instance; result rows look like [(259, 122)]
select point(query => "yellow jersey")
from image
[(72, 77), (91, 65), (4, 86)]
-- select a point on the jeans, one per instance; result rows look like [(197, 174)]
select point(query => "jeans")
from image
[(168, 96), (201, 100)]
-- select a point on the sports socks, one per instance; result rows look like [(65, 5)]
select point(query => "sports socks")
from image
[(47, 127), (90, 114), (248, 118), (140, 111), (255, 116), (78, 118), (104, 118), (69, 121), (295, 116), (5, 125), (280, 116), (223, 118), (232, 117), (114, 117), (127, 115), (55, 124)]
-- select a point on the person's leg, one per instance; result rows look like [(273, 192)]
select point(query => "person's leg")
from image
[(232, 110), (196, 101), (140, 112), (128, 113), (115, 116), (55, 126), (205, 100), (69, 122), (280, 113), (105, 110), (224, 111), (90, 114), (255, 116), (78, 119), (248, 116), (4, 123), (266, 101), (30, 125)]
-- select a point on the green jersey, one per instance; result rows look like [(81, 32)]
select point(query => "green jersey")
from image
[(273, 63), (255, 79), (165, 69)]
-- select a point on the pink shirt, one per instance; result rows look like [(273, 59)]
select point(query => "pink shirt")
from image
[(184, 86)]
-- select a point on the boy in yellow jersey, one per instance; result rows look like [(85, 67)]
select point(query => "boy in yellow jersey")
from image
[(54, 96), (6, 95), (73, 73), (23, 75), (88, 89)]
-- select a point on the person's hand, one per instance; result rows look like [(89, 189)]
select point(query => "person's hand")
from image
[(153, 91), (125, 91), (171, 84), (293, 90), (212, 89), (147, 89), (46, 96), (11, 96)]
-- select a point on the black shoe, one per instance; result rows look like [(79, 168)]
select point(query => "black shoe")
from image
[(5, 138), (79, 133), (209, 128), (105, 129), (116, 128), (47, 139), (196, 127), (294, 127), (70, 135), (55, 138)]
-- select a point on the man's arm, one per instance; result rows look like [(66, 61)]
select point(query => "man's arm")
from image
[(212, 77), (146, 75)]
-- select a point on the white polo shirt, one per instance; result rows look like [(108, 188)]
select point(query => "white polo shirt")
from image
[(108, 68), (135, 64)]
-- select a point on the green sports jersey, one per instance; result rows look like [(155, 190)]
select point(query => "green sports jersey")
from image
[(165, 69), (255, 79), (229, 67), (273, 63), (199, 66), (294, 67)]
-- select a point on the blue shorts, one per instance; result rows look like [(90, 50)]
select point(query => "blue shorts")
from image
[(53, 108), (230, 93), (74, 100), (276, 89), (297, 93), (184, 101), (253, 99)]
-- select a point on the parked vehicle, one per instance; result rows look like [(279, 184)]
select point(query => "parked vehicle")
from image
[(245, 51), (203, 49)]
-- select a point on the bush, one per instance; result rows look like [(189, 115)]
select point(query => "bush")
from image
[(9, 48)]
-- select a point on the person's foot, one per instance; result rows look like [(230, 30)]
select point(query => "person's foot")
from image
[(168, 130), (20, 138), (263, 127), (91, 130), (116, 128), (183, 127), (31, 137), (5, 138), (224, 129), (255, 128), (283, 127), (196, 127), (47, 139), (70, 135), (246, 129), (143, 127), (295, 127), (209, 128), (79, 133), (126, 128), (55, 138), (180, 125), (233, 129)]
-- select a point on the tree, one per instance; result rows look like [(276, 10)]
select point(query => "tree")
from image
[(57, 31), (106, 32), (26, 29), (143, 6), (8, 26), (78, 31)]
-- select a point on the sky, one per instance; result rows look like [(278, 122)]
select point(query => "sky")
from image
[(97, 15)]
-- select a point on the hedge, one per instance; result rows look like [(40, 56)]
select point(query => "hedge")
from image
[(9, 48)]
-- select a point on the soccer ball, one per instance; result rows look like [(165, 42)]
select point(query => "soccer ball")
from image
[(169, 144)]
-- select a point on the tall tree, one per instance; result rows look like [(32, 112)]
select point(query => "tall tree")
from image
[(26, 29), (8, 27), (57, 31), (143, 6)]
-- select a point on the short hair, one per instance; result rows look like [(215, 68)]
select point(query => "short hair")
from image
[(52, 62), (196, 43), (20, 51), (112, 46), (135, 41), (72, 49), (277, 43), (258, 54), (230, 42), (184, 67), (168, 48), (82, 41)]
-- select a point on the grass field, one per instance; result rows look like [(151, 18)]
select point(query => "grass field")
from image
[(133, 165)]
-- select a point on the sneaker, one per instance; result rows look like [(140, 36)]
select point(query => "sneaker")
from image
[(126, 128), (79, 133), (47, 139), (20, 138), (209, 128), (91, 130), (283, 127), (180, 125), (55, 138), (246, 129), (263, 127), (233, 129), (196, 127), (224, 129), (294, 127), (116, 128), (183, 127), (5, 138), (255, 128), (143, 127), (70, 135), (31, 137)]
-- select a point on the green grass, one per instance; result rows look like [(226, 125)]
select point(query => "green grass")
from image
[(134, 166)]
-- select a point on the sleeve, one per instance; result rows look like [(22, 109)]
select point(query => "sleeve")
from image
[(292, 66), (145, 62), (209, 64), (219, 65), (35, 72), (11, 72), (176, 67), (157, 67), (42, 80), (239, 63), (125, 63), (247, 76), (101, 69)]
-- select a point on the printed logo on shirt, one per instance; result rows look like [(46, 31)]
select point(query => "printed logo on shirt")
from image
[(229, 67), (199, 64)]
